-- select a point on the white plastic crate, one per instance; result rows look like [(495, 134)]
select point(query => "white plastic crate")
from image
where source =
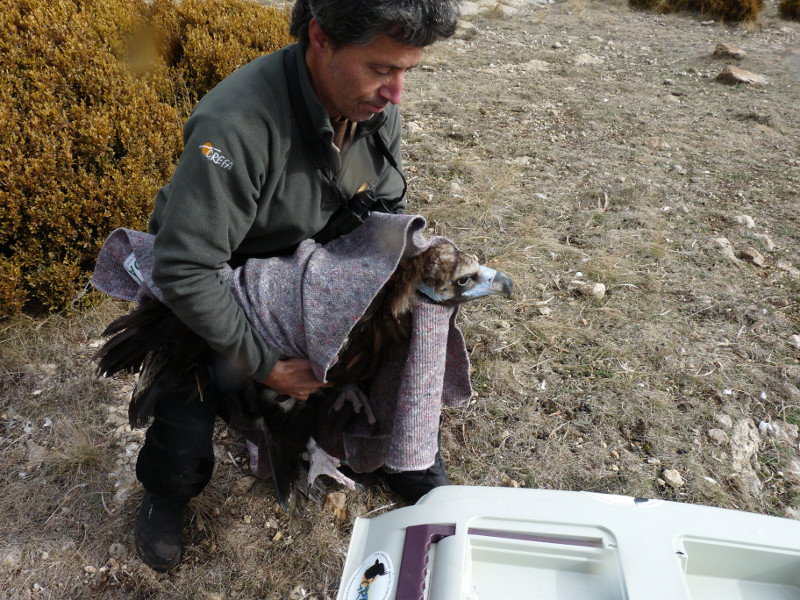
[(474, 543)]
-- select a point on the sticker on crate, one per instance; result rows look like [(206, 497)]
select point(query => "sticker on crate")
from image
[(373, 579)]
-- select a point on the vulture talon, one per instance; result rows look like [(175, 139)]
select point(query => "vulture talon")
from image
[(322, 463), (353, 393)]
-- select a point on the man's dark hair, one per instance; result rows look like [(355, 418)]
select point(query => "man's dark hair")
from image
[(358, 22)]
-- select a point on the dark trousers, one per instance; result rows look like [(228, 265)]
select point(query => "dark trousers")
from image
[(177, 458)]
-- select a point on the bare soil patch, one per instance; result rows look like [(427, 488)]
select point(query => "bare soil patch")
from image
[(575, 143)]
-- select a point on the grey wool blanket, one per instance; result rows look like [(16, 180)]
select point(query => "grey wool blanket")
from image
[(306, 304)]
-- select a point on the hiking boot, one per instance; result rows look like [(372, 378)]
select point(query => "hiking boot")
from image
[(159, 532), (413, 485)]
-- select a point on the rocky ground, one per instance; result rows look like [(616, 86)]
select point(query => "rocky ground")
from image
[(648, 212)]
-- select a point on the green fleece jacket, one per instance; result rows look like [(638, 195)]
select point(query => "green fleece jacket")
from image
[(246, 185)]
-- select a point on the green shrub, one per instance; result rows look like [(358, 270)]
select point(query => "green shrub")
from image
[(93, 94), (789, 9), (727, 10)]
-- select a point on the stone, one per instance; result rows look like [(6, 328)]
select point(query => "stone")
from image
[(785, 265), (592, 290), (657, 143), (732, 74), (795, 341), (718, 436), (729, 51), (792, 471), (673, 478), (118, 551), (725, 421), (465, 30), (764, 239), (744, 444), (335, 503), (745, 220), (726, 247), (588, 59), (11, 559), (791, 513), (412, 128), (244, 485), (753, 256)]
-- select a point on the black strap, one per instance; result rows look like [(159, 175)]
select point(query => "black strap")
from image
[(313, 143)]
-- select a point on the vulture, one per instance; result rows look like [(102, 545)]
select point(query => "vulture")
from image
[(154, 343)]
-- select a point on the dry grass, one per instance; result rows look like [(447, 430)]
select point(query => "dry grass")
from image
[(597, 172)]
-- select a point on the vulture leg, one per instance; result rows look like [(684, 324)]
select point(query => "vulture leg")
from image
[(322, 463), (355, 395)]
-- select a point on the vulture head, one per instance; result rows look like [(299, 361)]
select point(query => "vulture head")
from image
[(451, 277), (444, 274)]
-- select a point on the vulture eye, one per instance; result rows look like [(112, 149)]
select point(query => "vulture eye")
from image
[(463, 281)]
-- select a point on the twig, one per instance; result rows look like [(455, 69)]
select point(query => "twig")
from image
[(374, 510)]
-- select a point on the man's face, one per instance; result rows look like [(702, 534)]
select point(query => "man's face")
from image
[(357, 82)]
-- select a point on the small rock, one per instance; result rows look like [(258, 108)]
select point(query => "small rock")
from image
[(724, 420), (726, 247), (791, 513), (673, 478), (718, 436), (244, 485), (90, 569), (118, 551), (785, 265), (731, 74), (653, 461), (588, 59), (744, 448), (657, 143), (753, 256), (335, 503), (745, 220), (247, 519), (765, 428), (412, 128), (765, 239), (793, 471), (795, 341), (593, 290), (729, 51), (11, 559), (465, 30), (298, 593)]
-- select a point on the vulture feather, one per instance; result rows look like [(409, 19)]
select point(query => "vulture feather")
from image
[(168, 355)]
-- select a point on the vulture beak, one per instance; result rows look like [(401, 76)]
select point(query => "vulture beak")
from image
[(492, 283)]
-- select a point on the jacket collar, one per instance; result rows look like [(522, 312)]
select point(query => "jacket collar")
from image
[(319, 116)]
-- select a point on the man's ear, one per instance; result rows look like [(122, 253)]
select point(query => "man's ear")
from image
[(318, 39)]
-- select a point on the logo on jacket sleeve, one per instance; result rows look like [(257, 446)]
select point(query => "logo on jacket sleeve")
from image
[(215, 156)]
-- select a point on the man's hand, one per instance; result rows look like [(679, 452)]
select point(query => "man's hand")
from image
[(294, 377)]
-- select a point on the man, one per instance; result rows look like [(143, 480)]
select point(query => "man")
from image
[(270, 155)]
